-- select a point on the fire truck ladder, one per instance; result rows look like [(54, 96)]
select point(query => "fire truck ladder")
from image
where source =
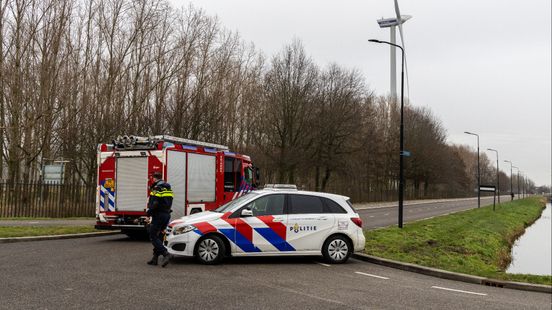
[(190, 142)]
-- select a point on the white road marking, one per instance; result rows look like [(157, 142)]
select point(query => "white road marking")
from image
[(371, 275), (386, 214), (459, 291), (322, 264), (294, 291), (371, 216), (34, 222)]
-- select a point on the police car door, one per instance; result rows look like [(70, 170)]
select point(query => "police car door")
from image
[(308, 224), (262, 228)]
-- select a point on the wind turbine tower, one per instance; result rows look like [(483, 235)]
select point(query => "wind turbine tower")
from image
[(392, 23)]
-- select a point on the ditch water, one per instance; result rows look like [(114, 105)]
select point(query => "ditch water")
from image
[(532, 252)]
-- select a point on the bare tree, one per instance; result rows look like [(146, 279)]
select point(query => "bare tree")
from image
[(288, 104), (77, 73), (336, 122)]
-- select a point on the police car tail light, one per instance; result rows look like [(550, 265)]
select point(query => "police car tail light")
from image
[(357, 221)]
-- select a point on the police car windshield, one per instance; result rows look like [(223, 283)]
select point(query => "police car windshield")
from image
[(229, 205)]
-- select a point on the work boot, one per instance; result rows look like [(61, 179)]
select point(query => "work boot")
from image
[(153, 260), (165, 259)]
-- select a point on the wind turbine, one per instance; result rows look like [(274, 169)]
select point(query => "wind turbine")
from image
[(392, 24)]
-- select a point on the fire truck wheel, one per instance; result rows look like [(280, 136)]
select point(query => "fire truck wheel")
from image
[(210, 250), (337, 249)]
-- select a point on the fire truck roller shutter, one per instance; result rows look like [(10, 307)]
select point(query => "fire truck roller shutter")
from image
[(176, 177), (132, 183), (201, 178)]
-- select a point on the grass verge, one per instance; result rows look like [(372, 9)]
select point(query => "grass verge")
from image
[(476, 242), (28, 231)]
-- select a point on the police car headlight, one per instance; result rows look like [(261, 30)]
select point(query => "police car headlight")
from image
[(183, 229)]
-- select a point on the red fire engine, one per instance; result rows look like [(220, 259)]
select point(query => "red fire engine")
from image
[(203, 176)]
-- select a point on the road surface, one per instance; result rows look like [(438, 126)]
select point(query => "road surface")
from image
[(110, 272), (386, 214)]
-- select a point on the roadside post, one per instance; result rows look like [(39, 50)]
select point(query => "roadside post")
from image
[(489, 188)]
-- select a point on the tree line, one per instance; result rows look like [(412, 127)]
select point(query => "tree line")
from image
[(77, 73)]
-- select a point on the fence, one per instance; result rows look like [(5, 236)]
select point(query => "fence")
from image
[(38, 199)]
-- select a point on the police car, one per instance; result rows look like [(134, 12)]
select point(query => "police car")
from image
[(277, 220)]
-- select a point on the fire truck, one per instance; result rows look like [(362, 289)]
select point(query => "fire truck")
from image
[(203, 176)]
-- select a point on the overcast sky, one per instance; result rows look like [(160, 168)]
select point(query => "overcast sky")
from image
[(480, 66)]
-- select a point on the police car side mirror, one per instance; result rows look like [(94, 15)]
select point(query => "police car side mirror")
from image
[(246, 212)]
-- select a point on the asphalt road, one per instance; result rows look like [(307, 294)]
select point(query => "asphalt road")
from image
[(110, 273), (381, 215)]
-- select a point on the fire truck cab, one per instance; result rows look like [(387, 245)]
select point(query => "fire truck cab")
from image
[(203, 176)]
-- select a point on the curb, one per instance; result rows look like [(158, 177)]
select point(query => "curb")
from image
[(439, 273), (58, 237)]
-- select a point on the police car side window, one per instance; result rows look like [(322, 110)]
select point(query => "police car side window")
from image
[(332, 206), (266, 205), (304, 204)]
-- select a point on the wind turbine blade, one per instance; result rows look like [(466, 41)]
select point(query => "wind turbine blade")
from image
[(399, 20)]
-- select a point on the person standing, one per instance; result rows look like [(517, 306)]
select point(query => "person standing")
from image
[(159, 213)]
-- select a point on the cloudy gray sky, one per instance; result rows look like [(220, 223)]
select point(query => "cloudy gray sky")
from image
[(480, 66)]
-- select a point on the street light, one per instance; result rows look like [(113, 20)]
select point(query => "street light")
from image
[(517, 180), (511, 186), (392, 23), (497, 175), (478, 174), (522, 184), (401, 139)]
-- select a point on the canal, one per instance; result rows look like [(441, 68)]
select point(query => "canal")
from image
[(532, 252)]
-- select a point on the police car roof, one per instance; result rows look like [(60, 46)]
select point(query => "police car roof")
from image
[(295, 191)]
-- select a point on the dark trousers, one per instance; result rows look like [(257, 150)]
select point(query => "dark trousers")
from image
[(159, 222)]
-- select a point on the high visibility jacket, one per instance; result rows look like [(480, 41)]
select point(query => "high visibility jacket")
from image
[(160, 199)]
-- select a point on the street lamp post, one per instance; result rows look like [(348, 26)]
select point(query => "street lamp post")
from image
[(401, 139), (517, 181), (522, 184), (525, 185), (497, 175), (511, 186), (478, 171)]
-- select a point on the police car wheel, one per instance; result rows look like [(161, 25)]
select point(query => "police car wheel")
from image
[(337, 249), (210, 250)]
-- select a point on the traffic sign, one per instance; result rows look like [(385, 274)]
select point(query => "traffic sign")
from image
[(487, 188)]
